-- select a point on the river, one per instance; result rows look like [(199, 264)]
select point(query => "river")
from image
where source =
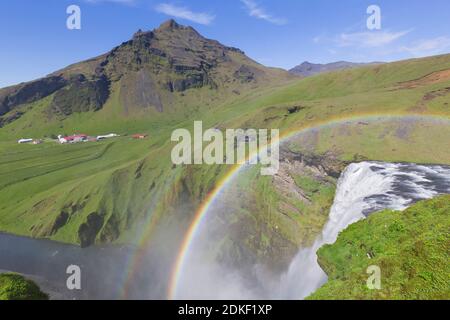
[(46, 262)]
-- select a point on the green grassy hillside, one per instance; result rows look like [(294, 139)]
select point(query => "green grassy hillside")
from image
[(16, 287), (410, 248)]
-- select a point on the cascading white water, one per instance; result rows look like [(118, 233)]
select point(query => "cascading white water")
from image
[(362, 189)]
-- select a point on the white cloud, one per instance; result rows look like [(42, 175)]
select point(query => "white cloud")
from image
[(369, 39), (254, 10), (185, 13), (428, 46)]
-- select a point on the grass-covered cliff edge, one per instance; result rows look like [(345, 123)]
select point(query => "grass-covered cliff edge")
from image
[(411, 248), (16, 287)]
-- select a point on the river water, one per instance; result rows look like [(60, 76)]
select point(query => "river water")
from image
[(46, 262)]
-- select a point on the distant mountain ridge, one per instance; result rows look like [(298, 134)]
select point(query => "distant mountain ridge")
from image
[(307, 69)]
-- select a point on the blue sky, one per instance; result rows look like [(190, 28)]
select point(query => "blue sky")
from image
[(283, 33)]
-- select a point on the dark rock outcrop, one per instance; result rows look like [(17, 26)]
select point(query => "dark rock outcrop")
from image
[(139, 91), (29, 92), (88, 231), (59, 222), (81, 95), (10, 117), (244, 74)]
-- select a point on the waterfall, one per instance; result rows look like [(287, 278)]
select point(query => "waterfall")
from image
[(362, 189)]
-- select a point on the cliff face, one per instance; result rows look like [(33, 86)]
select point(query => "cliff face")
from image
[(267, 221), (80, 95), (12, 97)]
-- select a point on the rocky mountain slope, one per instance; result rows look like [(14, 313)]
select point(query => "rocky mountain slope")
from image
[(146, 72)]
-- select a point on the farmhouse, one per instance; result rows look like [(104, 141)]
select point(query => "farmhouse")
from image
[(73, 139)]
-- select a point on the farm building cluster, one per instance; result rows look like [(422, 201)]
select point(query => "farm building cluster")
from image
[(76, 138), (84, 137)]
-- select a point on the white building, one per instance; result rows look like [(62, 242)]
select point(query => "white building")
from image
[(62, 139), (107, 136), (25, 141)]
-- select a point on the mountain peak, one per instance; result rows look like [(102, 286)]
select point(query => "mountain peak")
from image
[(170, 24), (148, 69)]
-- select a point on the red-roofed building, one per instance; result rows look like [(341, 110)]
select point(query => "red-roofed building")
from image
[(139, 136), (73, 139)]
